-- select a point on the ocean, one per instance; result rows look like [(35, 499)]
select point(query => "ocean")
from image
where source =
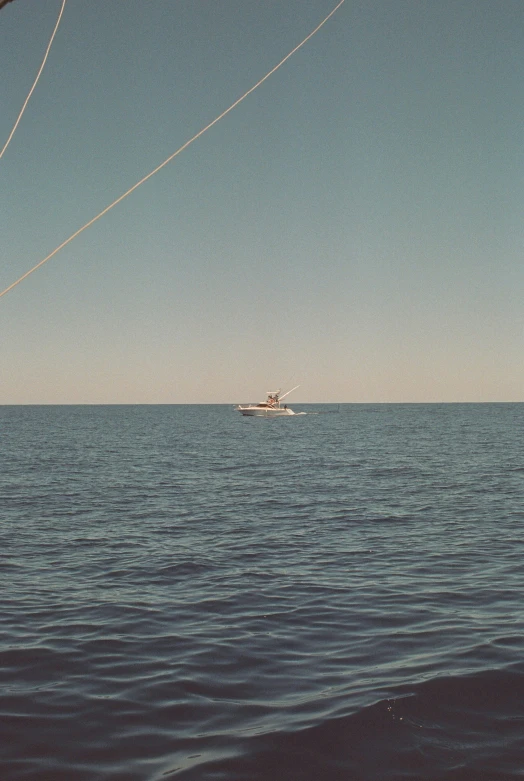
[(190, 595)]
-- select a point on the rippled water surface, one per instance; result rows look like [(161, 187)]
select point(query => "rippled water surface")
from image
[(188, 594)]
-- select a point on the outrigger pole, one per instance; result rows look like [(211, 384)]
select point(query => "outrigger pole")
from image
[(288, 392)]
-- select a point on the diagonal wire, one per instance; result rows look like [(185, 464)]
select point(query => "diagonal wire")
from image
[(171, 157), (11, 134)]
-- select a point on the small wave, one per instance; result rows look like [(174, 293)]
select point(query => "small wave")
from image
[(448, 729)]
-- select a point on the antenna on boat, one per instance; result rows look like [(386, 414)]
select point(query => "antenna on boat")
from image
[(287, 394)]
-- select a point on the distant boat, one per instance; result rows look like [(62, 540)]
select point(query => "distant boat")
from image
[(270, 408)]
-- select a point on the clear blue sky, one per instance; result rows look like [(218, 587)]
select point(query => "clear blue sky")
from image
[(355, 225)]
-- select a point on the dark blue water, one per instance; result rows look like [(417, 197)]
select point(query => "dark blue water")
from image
[(188, 594)]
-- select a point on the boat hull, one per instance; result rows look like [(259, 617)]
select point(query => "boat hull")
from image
[(265, 412)]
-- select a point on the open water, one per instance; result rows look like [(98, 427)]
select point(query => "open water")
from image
[(189, 595)]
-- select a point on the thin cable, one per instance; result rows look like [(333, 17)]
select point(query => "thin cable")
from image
[(171, 157), (35, 81)]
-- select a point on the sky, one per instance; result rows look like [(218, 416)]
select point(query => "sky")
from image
[(355, 225)]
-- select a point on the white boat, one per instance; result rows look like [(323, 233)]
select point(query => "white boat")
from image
[(270, 408)]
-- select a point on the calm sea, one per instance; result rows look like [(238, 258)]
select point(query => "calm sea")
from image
[(188, 594)]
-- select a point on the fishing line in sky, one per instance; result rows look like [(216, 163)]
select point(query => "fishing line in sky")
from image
[(35, 81), (171, 157)]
